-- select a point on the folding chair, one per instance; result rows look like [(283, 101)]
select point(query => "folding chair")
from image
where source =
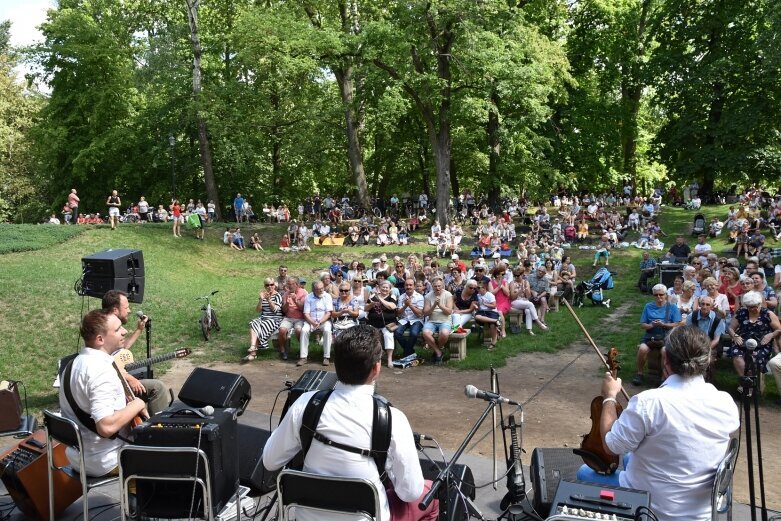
[(302, 490)]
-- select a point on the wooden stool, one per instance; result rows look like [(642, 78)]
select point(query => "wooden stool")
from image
[(515, 317)]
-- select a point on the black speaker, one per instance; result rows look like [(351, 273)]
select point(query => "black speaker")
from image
[(114, 264), (216, 388), (449, 498), (114, 269), (548, 467), (252, 474), (668, 272), (311, 380), (97, 287), (215, 435)]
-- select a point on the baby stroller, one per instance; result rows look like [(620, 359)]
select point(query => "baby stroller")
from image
[(698, 226), (602, 279)]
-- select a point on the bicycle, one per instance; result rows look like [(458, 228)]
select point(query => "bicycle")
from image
[(208, 320)]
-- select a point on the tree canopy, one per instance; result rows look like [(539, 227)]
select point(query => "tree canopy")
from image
[(280, 100)]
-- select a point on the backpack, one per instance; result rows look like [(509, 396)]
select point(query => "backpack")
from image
[(381, 430)]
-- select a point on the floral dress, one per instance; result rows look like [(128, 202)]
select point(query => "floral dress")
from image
[(753, 329)]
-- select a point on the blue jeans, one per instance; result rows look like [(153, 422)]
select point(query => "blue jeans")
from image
[(408, 343), (585, 473)]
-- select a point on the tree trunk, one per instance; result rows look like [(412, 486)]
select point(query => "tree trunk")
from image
[(709, 170), (353, 124), (203, 134), (494, 150), (276, 150)]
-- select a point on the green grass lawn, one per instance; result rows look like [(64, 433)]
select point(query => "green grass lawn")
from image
[(40, 311)]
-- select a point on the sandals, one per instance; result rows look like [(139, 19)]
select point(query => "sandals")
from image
[(252, 354), (491, 346)]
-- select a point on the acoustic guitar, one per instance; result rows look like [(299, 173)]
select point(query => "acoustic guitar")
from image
[(124, 358)]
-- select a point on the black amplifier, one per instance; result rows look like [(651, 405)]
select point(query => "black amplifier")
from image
[(216, 435), (310, 381), (577, 500)]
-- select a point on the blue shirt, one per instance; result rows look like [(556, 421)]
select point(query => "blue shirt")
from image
[(647, 263), (653, 312), (238, 203), (705, 323)]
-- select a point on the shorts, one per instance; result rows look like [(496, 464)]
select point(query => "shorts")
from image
[(436, 327), (291, 323), (490, 313), (113, 211)]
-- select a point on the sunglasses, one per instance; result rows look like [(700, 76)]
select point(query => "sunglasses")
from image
[(269, 285), (344, 291), (659, 294)]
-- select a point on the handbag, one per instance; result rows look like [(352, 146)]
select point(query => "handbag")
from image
[(10, 406)]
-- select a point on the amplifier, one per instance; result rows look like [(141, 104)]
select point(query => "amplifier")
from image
[(24, 475), (548, 467), (577, 500), (451, 506), (310, 381), (216, 435), (252, 473)]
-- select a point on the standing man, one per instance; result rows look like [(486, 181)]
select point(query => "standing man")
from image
[(93, 396), (677, 434), (154, 392), (437, 306), (281, 279), (238, 207), (114, 203), (73, 202), (345, 427), (317, 317), (410, 312), (293, 309)]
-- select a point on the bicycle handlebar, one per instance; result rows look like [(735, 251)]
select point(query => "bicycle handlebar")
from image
[(206, 297)]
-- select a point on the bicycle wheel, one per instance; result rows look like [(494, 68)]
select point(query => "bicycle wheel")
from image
[(215, 324), (377, 213), (204, 321)]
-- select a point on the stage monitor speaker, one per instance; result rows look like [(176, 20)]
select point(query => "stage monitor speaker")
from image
[(112, 264), (99, 286), (668, 272), (252, 474), (215, 435), (452, 502), (312, 380), (548, 467), (585, 499), (23, 471), (216, 388)]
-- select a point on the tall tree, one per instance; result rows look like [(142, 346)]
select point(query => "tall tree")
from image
[(203, 135)]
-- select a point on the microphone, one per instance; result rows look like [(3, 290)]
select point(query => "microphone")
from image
[(751, 344), (140, 315), (473, 392)]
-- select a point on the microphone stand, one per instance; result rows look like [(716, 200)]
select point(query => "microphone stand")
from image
[(149, 372), (445, 472), (749, 390)]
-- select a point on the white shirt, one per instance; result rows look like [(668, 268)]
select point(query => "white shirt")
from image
[(409, 315), (317, 307), (347, 418), (97, 391), (678, 434)]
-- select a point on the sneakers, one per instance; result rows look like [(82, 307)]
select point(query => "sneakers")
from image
[(283, 355), (301, 361), (326, 363), (637, 380), (436, 360)]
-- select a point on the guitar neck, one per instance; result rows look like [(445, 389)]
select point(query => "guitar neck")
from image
[(149, 361)]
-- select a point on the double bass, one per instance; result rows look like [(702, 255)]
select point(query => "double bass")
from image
[(592, 449)]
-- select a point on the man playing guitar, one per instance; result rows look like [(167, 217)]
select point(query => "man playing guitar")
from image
[(154, 392), (93, 394)]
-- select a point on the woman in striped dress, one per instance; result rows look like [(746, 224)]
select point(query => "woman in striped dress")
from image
[(270, 309)]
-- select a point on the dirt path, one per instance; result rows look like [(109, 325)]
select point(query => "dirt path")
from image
[(555, 388)]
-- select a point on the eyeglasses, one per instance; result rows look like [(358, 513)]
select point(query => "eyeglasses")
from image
[(660, 294), (696, 264)]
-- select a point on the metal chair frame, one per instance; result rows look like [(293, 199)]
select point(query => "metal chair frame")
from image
[(166, 475), (318, 493), (721, 495), (67, 432)]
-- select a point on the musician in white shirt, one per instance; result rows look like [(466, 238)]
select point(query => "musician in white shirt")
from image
[(97, 390)]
